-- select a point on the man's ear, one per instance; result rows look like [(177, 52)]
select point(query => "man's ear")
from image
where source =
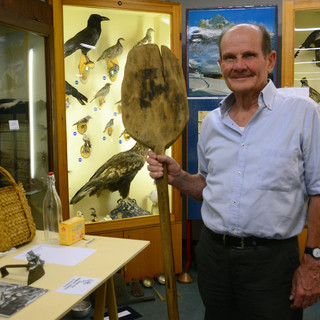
[(272, 57)]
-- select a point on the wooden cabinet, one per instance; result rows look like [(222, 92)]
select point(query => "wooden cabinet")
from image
[(128, 20), (301, 57)]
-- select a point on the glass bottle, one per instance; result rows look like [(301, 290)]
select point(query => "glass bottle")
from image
[(52, 211)]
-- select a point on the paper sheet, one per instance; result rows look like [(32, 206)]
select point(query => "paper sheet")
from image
[(62, 255), (78, 285)]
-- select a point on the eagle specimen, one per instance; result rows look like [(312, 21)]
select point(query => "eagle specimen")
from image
[(116, 174)]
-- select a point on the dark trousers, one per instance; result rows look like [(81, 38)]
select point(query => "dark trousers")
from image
[(253, 283)]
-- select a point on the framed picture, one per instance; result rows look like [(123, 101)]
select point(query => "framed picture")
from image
[(204, 27)]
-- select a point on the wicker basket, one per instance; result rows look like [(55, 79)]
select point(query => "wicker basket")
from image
[(16, 221)]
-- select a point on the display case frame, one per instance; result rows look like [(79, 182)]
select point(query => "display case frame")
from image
[(147, 227)]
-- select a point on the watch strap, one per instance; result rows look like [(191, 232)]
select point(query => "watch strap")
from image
[(308, 250)]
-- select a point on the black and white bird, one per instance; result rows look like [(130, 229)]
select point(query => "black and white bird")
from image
[(115, 174), (87, 38)]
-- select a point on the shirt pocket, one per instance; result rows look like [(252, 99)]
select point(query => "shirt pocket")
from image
[(277, 170)]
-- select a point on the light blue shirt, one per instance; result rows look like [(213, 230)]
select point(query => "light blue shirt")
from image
[(258, 180)]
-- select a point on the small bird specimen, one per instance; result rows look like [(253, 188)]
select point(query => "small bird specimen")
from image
[(109, 126), (101, 94), (93, 214), (312, 41), (116, 174), (147, 39), (313, 93), (125, 135), (87, 141), (70, 90), (113, 69), (82, 124), (87, 38), (113, 51), (85, 149)]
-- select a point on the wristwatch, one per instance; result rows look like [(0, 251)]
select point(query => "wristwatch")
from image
[(314, 252)]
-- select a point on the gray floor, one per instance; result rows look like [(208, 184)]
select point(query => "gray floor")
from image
[(190, 306)]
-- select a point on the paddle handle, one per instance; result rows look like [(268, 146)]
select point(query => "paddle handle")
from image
[(166, 240)]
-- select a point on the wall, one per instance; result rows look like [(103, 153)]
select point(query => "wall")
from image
[(189, 4)]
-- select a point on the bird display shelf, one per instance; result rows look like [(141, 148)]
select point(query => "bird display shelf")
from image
[(106, 167)]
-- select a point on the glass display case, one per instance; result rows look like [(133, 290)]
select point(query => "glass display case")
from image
[(300, 53), (90, 117), (26, 104), (97, 143)]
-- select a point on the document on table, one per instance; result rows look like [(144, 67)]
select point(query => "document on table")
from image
[(78, 285), (62, 255)]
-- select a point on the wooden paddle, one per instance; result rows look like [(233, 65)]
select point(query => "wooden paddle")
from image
[(155, 112)]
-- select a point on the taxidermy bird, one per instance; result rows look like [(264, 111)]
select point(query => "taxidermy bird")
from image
[(312, 41), (102, 92), (147, 38), (113, 51), (83, 121), (116, 174), (87, 38), (109, 125), (313, 94), (70, 90)]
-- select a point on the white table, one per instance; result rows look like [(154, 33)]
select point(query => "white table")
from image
[(112, 254)]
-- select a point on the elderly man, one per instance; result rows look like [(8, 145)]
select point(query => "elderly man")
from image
[(259, 180)]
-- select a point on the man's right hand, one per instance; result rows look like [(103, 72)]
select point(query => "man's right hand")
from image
[(155, 166)]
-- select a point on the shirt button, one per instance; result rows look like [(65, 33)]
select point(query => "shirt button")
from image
[(239, 173), (232, 229), (234, 202), (243, 145)]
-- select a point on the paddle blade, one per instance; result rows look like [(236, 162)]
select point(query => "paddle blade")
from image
[(153, 96)]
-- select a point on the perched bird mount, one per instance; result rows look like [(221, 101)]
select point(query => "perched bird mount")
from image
[(70, 90), (147, 39), (313, 93), (110, 55), (113, 51), (312, 41), (116, 174), (101, 94), (87, 38)]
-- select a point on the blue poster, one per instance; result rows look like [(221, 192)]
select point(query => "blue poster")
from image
[(204, 27)]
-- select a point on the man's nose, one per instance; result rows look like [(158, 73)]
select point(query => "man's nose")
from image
[(239, 64)]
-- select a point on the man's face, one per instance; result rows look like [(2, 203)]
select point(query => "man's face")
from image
[(243, 65)]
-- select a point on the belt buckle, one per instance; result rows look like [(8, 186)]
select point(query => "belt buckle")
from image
[(241, 244)]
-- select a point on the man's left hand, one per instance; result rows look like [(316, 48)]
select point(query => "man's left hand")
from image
[(306, 283)]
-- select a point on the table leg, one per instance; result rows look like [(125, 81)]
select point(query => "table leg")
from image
[(100, 301), (111, 300), (106, 294)]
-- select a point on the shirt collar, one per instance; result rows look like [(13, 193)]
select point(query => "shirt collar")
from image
[(266, 98)]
